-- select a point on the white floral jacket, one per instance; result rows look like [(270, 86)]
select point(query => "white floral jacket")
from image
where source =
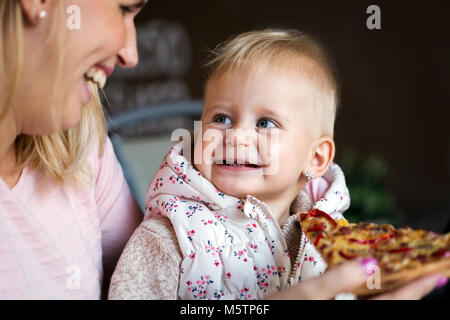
[(232, 248)]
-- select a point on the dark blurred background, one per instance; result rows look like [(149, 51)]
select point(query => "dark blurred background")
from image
[(392, 131)]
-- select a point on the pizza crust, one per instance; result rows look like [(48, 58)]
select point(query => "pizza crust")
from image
[(395, 280)]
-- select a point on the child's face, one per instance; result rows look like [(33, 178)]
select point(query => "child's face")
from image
[(263, 119)]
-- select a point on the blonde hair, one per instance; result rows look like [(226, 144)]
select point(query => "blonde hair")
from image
[(278, 46), (62, 156)]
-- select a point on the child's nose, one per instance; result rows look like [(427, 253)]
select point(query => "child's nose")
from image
[(240, 135)]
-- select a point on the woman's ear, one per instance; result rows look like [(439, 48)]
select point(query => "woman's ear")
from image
[(322, 155), (34, 10)]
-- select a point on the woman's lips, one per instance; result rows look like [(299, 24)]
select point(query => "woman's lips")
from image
[(108, 70)]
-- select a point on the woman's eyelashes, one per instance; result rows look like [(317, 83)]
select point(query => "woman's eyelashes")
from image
[(126, 10), (133, 9)]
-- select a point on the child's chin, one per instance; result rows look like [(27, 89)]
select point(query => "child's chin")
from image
[(238, 190)]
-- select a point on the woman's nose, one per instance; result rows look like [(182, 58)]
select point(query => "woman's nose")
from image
[(128, 55)]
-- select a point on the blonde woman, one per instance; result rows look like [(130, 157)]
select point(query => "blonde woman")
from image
[(66, 211)]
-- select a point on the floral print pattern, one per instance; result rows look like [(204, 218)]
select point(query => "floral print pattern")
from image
[(225, 239), (198, 287)]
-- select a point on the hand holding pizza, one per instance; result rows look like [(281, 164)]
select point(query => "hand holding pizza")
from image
[(372, 261), (351, 275), (402, 255)]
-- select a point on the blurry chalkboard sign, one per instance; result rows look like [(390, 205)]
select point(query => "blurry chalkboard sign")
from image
[(165, 57)]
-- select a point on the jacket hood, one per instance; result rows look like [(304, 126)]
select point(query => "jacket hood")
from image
[(190, 184)]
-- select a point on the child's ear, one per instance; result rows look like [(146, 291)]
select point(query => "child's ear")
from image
[(322, 155)]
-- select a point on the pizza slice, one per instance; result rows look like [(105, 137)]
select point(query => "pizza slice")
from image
[(403, 254)]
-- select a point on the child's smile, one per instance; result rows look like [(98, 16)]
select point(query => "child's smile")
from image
[(237, 166)]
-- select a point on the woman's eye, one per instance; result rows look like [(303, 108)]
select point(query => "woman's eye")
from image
[(264, 123), (125, 9), (133, 9), (223, 119)]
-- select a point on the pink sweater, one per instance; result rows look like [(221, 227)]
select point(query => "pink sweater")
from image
[(57, 242)]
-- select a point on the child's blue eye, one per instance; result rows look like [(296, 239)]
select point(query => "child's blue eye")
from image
[(221, 118), (265, 123)]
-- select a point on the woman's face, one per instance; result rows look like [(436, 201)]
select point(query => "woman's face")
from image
[(92, 37)]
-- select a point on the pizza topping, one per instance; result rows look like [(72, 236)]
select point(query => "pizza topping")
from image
[(373, 241), (367, 226), (424, 247), (443, 253), (318, 213), (303, 216), (431, 235), (320, 236), (402, 249), (345, 255), (342, 223), (345, 231), (317, 227), (422, 258), (385, 228)]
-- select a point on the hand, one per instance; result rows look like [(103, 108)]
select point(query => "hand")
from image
[(346, 278), (416, 289)]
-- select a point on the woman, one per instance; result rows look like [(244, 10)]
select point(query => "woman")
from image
[(65, 209)]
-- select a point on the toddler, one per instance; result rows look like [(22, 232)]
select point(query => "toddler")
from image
[(264, 154)]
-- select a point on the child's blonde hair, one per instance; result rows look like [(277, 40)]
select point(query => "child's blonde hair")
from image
[(278, 47)]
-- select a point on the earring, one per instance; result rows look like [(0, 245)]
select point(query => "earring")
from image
[(42, 14), (309, 176)]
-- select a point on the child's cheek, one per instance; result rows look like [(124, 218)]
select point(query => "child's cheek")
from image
[(203, 158), (269, 152)]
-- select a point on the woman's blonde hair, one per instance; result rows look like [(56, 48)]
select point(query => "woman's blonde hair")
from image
[(280, 47), (62, 156)]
